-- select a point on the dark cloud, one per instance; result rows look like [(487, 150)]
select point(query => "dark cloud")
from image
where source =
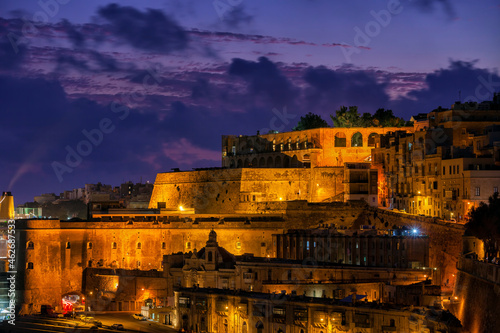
[(432, 5), (105, 62), (237, 17), (67, 60), (265, 80), (201, 89), (444, 85), (150, 31), (329, 89), (12, 53), (74, 35)]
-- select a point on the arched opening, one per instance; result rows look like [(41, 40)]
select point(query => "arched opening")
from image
[(244, 328), (357, 140), (262, 162), (277, 162), (30, 245), (259, 326), (340, 140), (226, 328), (295, 162), (255, 163), (286, 162), (113, 245), (89, 245), (371, 139), (240, 163), (231, 163), (139, 245), (270, 162), (246, 164)]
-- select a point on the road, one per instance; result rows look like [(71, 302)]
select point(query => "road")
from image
[(45, 324)]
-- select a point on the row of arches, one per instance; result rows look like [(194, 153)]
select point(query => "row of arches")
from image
[(281, 161), (356, 140)]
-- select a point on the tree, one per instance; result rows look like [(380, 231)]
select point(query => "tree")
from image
[(310, 121), (345, 117), (484, 224)]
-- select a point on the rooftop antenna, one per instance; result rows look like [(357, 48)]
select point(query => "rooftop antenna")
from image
[(460, 96)]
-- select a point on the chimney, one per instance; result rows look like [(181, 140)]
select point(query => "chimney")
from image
[(6, 206)]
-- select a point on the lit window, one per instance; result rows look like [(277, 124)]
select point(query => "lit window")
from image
[(113, 245), (238, 245), (68, 245), (188, 245), (89, 245), (478, 191)]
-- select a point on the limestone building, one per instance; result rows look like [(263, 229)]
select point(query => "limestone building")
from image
[(443, 170), (216, 310)]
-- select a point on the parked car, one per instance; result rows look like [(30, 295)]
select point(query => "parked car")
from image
[(81, 317), (118, 327), (98, 323), (139, 316), (89, 319)]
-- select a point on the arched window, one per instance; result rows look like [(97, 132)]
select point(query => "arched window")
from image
[(113, 245), (238, 245), (210, 256), (30, 245), (188, 245), (340, 140), (371, 139), (298, 143), (68, 245), (89, 245), (139, 245), (357, 140), (289, 143), (163, 245), (30, 265)]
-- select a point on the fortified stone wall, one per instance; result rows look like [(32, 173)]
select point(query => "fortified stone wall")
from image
[(478, 306), (62, 250), (222, 191)]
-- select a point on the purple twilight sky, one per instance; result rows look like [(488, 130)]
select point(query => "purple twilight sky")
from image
[(97, 91)]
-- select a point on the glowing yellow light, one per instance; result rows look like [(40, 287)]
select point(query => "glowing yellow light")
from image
[(456, 297), (321, 319), (116, 285), (227, 307), (83, 298), (425, 276), (90, 293), (181, 208), (281, 198), (142, 289)]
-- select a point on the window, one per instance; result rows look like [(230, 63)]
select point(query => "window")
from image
[(30, 265), (138, 263), (495, 189), (188, 245), (139, 246), (478, 191), (30, 245), (307, 245), (163, 246), (458, 168), (210, 257), (233, 150), (238, 245), (444, 171), (113, 245), (89, 245), (68, 245)]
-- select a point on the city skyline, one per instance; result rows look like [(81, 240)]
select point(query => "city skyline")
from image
[(159, 96)]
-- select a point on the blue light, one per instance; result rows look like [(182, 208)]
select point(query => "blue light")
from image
[(415, 231)]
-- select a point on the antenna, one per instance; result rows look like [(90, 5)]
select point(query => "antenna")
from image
[(460, 96)]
